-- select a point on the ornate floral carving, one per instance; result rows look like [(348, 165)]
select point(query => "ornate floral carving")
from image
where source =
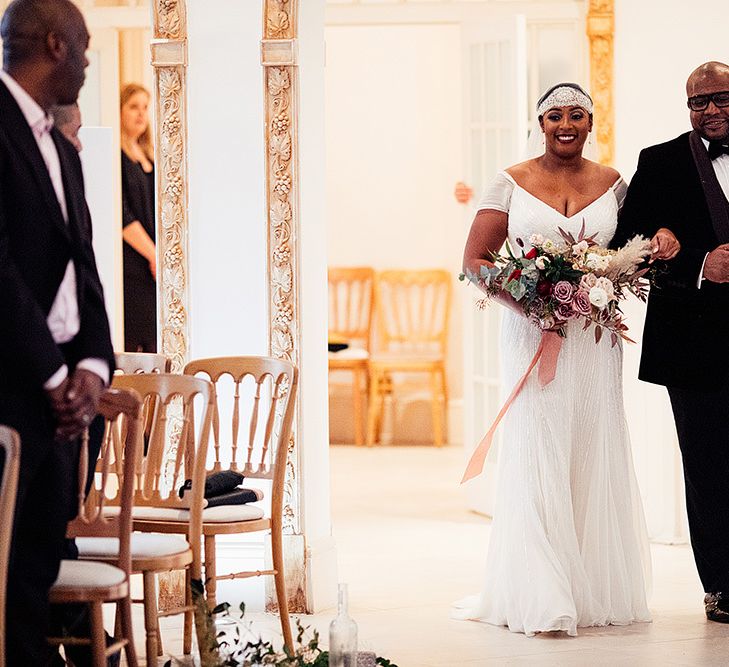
[(172, 222), (280, 152), (279, 22), (170, 19), (600, 30)]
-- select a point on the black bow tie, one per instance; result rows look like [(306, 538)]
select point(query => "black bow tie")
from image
[(716, 149)]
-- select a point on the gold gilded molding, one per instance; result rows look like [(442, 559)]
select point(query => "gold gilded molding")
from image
[(279, 56), (280, 97), (169, 58), (601, 33)]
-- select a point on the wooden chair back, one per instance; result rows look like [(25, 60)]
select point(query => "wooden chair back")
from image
[(176, 450), (412, 310), (351, 300), (114, 481), (129, 363), (10, 445), (263, 394)]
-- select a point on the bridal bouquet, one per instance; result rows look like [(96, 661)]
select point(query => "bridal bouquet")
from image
[(574, 279)]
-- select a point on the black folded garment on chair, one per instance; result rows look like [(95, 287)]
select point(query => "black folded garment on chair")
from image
[(237, 497), (216, 483), (222, 488)]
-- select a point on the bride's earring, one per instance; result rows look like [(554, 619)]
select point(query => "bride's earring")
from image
[(543, 142)]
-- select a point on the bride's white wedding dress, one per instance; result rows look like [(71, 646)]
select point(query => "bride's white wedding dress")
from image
[(568, 545)]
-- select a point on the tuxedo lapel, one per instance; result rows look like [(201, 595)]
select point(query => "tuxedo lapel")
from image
[(715, 199), (20, 134)]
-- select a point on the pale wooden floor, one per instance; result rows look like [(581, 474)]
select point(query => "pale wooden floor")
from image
[(407, 548)]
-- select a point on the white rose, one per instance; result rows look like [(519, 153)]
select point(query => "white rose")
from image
[(549, 246), (536, 240), (597, 262), (598, 297), (607, 285), (541, 262), (580, 248)]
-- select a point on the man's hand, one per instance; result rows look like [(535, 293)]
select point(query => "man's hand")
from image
[(664, 245), (79, 404), (716, 268)]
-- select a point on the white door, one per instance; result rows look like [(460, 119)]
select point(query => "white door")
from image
[(495, 133)]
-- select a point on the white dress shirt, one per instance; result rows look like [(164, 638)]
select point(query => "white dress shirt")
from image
[(721, 169), (63, 320)]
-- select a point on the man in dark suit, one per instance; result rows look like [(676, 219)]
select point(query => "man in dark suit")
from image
[(55, 349), (683, 185)]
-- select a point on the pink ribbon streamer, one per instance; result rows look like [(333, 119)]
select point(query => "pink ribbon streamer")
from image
[(546, 356)]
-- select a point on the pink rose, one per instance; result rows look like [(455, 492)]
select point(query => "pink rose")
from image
[(563, 291), (588, 281), (581, 302), (564, 311)]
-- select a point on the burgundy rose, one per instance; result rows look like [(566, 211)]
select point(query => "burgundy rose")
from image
[(532, 254), (563, 291), (581, 303), (544, 288), (564, 311)]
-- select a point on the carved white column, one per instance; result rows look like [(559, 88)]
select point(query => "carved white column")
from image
[(169, 59), (279, 60)]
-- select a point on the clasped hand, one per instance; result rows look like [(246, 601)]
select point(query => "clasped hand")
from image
[(664, 245), (75, 402)]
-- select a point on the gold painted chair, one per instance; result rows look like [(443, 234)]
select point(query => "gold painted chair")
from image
[(128, 363), (261, 392), (91, 582), (176, 452), (351, 297), (10, 445), (412, 310)]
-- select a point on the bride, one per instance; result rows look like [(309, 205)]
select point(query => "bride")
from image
[(568, 545)]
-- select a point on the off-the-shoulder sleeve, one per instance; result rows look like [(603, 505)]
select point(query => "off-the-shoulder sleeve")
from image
[(497, 196), (620, 188)]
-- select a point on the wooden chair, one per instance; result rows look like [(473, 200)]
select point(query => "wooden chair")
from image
[(351, 297), (259, 452), (129, 363), (176, 452), (10, 445), (412, 309), (94, 583)]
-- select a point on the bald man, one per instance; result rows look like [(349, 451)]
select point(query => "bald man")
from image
[(55, 349), (683, 184)]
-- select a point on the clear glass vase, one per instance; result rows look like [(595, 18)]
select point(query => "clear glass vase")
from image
[(343, 635)]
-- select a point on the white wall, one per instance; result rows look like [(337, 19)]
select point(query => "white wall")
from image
[(657, 45), (226, 166)]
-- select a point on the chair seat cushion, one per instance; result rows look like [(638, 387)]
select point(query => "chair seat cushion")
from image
[(88, 574), (351, 353), (143, 545), (220, 514)]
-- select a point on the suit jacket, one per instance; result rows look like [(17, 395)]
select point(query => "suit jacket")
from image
[(36, 245), (686, 334)]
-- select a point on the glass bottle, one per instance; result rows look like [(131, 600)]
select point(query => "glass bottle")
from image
[(342, 635)]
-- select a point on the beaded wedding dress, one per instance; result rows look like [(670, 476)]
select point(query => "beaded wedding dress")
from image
[(568, 545)]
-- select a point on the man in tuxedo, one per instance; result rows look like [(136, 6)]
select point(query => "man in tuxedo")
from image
[(55, 349), (683, 185)]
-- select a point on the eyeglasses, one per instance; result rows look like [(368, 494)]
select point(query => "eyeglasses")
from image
[(701, 102)]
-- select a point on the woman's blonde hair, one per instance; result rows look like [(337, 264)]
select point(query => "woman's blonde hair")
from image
[(145, 141)]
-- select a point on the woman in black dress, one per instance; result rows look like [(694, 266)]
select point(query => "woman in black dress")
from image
[(140, 258)]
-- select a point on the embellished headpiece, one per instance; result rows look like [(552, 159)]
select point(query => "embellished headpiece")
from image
[(564, 95)]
